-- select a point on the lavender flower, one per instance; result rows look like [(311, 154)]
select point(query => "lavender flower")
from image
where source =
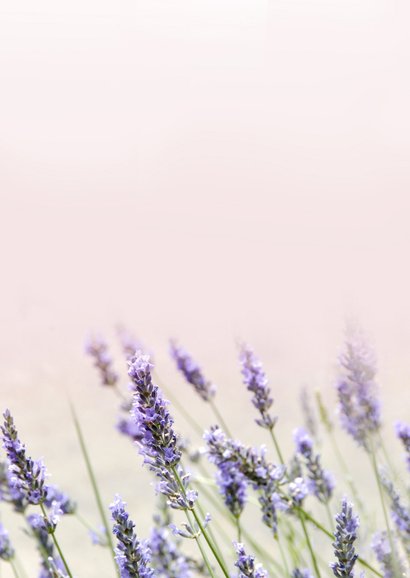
[(28, 476), (381, 548), (192, 372), (321, 483), (403, 433), (256, 381), (358, 406), (132, 555), (97, 348), (246, 564), (232, 486), (128, 342), (399, 513), (166, 557), (298, 490), (55, 495), (302, 573), (345, 534), (6, 549), (158, 443), (264, 476)]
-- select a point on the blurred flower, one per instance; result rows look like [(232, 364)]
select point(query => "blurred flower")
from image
[(97, 348), (6, 549), (192, 372), (320, 482)]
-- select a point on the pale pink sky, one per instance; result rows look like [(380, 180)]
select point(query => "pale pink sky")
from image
[(205, 169)]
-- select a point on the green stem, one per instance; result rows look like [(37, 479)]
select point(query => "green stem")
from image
[(13, 567), (94, 485), (201, 527), (56, 544), (219, 417), (238, 528), (201, 511), (201, 549), (309, 544), (282, 554), (277, 448)]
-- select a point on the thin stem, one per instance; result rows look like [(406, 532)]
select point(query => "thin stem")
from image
[(94, 486), (201, 527), (329, 516), (277, 448), (282, 554), (13, 567), (219, 417), (201, 511), (238, 528), (56, 544), (309, 544), (201, 549)]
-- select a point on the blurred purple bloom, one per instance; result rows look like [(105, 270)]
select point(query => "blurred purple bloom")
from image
[(232, 486), (403, 433), (27, 476), (389, 562), (359, 408), (132, 555), (345, 535), (65, 503), (246, 564), (298, 490), (320, 482), (99, 537), (97, 348), (192, 372), (6, 549), (302, 573), (167, 559), (256, 381)]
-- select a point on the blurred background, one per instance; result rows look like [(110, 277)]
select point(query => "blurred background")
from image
[(210, 170)]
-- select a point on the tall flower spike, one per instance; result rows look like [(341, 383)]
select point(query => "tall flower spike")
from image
[(192, 372), (97, 348), (45, 544), (320, 482), (132, 555), (381, 548), (256, 381), (232, 486), (403, 433), (27, 476), (6, 549), (359, 407), (246, 564), (399, 513), (345, 535), (158, 441)]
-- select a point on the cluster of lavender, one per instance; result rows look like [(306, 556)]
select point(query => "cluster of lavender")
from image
[(295, 496)]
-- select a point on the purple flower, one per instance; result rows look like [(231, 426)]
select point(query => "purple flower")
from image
[(39, 527), (256, 381), (345, 535), (99, 537), (246, 564), (167, 559), (192, 372), (232, 486), (27, 476), (298, 490), (6, 549), (97, 348), (389, 562), (302, 573), (403, 433), (320, 482), (132, 555), (399, 513), (55, 495), (158, 441), (359, 408), (264, 476)]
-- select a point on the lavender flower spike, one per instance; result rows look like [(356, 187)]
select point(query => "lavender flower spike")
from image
[(192, 372), (403, 433), (345, 534), (158, 441), (359, 408), (246, 564), (132, 555), (256, 381), (320, 482), (28, 476), (97, 348), (6, 549), (232, 486)]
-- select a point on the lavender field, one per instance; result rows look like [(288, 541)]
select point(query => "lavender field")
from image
[(208, 503)]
